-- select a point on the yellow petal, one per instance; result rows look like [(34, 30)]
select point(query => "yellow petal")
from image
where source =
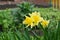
[(28, 21), (45, 23)]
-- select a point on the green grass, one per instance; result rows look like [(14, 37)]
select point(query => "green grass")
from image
[(50, 12), (45, 12)]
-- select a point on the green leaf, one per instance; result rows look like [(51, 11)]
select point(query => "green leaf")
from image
[(26, 34)]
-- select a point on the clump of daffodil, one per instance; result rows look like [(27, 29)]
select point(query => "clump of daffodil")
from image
[(45, 23), (28, 21), (36, 17)]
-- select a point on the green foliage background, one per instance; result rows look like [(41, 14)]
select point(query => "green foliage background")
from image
[(13, 29)]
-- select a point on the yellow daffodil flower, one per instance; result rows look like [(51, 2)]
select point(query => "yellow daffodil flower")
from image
[(45, 23), (36, 17), (28, 21)]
